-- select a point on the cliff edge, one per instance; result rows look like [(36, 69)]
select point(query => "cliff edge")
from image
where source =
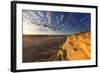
[(76, 47)]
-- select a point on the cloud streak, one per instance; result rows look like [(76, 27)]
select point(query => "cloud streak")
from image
[(55, 22)]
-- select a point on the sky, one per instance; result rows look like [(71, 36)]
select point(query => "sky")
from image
[(52, 22)]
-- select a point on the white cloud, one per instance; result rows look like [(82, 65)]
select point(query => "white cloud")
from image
[(49, 17), (57, 19), (32, 29), (83, 18), (61, 17), (40, 13)]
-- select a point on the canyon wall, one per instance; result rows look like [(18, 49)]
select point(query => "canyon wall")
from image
[(76, 47)]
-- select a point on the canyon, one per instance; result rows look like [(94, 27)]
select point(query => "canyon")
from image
[(44, 48)]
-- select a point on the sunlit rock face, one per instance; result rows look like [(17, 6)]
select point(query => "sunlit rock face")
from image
[(76, 47)]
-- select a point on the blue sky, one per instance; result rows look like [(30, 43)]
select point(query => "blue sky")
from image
[(50, 22)]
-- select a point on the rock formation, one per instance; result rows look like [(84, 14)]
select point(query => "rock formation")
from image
[(76, 47)]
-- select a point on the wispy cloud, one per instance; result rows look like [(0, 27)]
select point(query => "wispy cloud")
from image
[(49, 17), (47, 21), (82, 19), (61, 17)]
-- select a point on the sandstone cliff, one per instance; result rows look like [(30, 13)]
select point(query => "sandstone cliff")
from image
[(76, 47)]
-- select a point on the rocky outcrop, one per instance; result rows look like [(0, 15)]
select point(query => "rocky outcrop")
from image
[(76, 47)]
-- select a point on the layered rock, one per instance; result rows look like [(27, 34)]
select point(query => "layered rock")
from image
[(76, 47)]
